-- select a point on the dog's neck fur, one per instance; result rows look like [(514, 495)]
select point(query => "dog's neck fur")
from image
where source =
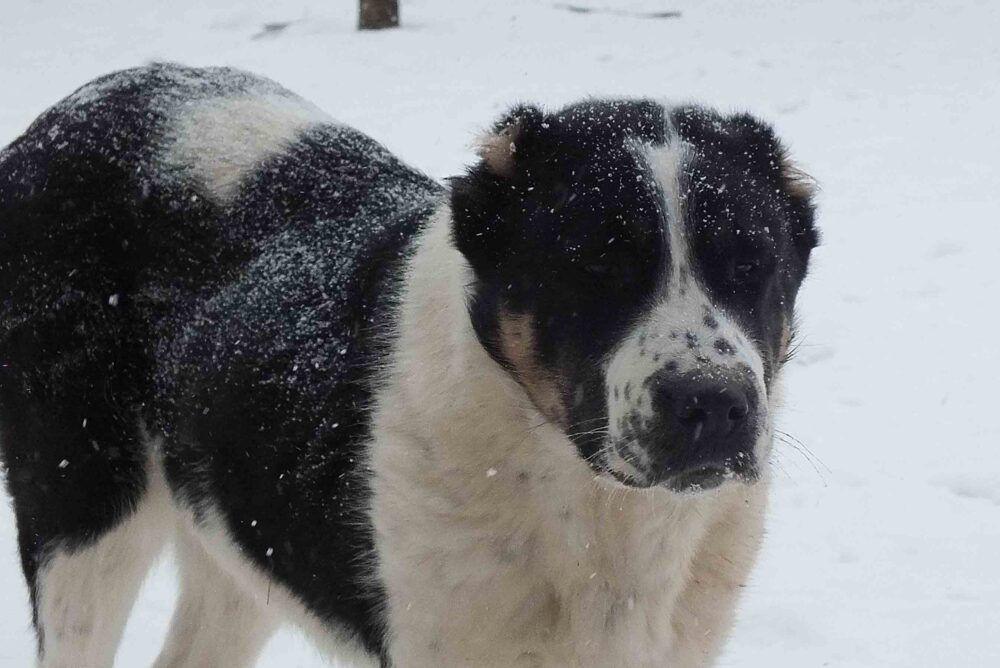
[(487, 518)]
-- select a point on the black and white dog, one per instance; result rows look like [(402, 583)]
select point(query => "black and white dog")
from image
[(523, 420)]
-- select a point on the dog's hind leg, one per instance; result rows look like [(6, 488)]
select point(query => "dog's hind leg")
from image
[(218, 622), (84, 593)]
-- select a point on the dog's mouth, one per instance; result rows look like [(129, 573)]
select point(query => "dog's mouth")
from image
[(702, 479), (706, 478), (693, 482)]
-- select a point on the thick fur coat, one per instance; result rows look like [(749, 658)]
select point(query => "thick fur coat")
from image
[(521, 420)]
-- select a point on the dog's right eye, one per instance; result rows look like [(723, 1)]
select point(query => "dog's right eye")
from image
[(599, 270), (613, 271), (745, 271)]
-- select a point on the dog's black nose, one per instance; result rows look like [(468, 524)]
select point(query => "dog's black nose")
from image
[(703, 429), (709, 410)]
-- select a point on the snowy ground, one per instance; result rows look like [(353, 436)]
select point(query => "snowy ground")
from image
[(883, 549)]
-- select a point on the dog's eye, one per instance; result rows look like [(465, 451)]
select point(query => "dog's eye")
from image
[(608, 268), (745, 270), (599, 270)]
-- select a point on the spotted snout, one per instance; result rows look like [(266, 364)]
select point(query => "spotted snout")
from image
[(701, 430), (687, 402)]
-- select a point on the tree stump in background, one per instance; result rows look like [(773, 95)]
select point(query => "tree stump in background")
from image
[(378, 14)]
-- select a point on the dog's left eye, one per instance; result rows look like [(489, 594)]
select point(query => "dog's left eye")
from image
[(607, 268), (746, 270), (598, 270)]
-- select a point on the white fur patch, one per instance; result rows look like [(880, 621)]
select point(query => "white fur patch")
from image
[(216, 622), (229, 607), (84, 597), (218, 142)]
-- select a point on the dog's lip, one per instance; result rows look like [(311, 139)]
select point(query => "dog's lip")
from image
[(625, 479), (693, 481), (702, 479), (709, 477)]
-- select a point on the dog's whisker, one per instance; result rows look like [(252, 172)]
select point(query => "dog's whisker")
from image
[(804, 447), (795, 448)]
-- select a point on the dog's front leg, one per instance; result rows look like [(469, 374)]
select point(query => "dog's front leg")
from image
[(704, 613)]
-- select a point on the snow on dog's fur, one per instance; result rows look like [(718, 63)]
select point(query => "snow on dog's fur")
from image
[(521, 421)]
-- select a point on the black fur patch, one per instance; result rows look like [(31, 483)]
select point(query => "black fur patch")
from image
[(751, 230), (573, 236), (243, 334)]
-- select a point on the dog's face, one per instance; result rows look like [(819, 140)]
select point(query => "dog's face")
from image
[(635, 270)]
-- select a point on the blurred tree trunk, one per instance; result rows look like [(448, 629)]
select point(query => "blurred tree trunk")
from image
[(377, 14)]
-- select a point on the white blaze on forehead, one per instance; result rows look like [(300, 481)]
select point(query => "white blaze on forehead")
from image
[(667, 163), (218, 142), (683, 331)]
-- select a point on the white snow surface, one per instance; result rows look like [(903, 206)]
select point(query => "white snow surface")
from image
[(883, 547)]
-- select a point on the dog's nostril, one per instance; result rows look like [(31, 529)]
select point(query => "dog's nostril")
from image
[(737, 413)]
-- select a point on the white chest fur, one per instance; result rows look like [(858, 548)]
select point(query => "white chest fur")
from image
[(496, 544)]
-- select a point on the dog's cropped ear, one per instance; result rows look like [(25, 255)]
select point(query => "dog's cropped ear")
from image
[(800, 191), (771, 156), (509, 142), (794, 180), (482, 197), (768, 155)]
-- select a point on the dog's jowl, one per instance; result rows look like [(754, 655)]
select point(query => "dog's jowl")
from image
[(520, 419)]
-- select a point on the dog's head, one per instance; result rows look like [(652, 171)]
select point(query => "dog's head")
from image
[(636, 268)]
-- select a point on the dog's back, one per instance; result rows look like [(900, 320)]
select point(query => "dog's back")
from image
[(175, 246)]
